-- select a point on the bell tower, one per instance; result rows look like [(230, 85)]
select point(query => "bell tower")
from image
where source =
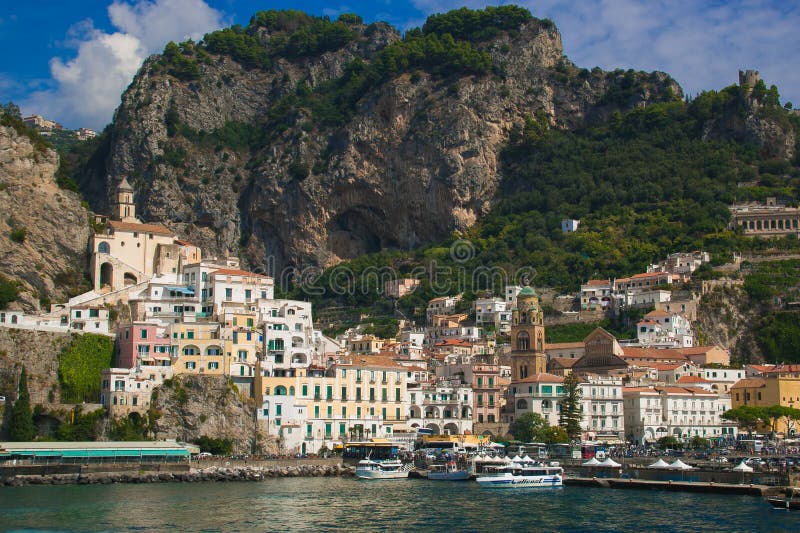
[(527, 336), (126, 209)]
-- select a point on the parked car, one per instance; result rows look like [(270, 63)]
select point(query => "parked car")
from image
[(719, 459)]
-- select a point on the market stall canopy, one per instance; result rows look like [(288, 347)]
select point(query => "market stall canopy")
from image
[(742, 467), (609, 462), (661, 463), (679, 465), (592, 462)]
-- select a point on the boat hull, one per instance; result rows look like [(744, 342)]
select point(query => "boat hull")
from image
[(781, 503), (520, 481), (377, 474)]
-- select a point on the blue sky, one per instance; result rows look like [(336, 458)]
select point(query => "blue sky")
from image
[(71, 60)]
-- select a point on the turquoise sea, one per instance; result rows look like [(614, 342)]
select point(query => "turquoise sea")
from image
[(329, 504)]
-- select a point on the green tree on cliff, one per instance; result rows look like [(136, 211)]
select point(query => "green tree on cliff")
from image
[(21, 427)]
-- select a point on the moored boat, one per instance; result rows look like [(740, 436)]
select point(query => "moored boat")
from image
[(522, 475), (447, 472), (388, 469), (791, 502)]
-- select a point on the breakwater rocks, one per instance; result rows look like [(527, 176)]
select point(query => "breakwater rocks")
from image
[(220, 474)]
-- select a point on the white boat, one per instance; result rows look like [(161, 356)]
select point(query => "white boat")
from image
[(519, 474), (388, 469), (447, 472)]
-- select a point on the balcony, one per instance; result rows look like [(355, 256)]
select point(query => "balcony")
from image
[(318, 397)]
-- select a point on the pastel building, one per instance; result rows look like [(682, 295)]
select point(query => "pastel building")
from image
[(539, 393), (198, 349), (443, 405), (142, 344), (128, 390)]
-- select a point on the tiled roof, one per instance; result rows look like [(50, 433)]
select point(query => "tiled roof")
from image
[(565, 362), (598, 282), (139, 228), (653, 314), (749, 383), (629, 352), (692, 379), (541, 378), (639, 389), (662, 367), (372, 361), (685, 390), (563, 345)]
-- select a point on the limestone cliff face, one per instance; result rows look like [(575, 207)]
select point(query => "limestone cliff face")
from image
[(418, 159), (56, 227), (189, 407)]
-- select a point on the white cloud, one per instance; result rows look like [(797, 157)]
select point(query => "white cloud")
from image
[(701, 43), (87, 88)]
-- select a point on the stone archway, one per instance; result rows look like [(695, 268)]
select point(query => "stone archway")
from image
[(129, 279), (106, 275), (435, 429)]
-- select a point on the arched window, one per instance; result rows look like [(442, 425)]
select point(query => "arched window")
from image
[(104, 248), (280, 390), (291, 391), (523, 341), (522, 404)]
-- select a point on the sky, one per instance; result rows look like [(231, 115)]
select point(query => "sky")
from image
[(70, 60)]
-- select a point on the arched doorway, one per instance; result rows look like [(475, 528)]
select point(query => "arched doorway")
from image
[(106, 275), (451, 429), (130, 279), (434, 429)]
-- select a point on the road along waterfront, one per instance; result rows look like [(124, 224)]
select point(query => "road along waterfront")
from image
[(344, 503)]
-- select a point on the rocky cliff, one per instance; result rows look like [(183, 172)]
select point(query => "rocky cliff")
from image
[(189, 407), (44, 229), (415, 157)]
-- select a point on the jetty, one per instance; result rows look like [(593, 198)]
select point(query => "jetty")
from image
[(678, 486)]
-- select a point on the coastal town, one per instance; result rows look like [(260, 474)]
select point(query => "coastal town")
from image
[(193, 315)]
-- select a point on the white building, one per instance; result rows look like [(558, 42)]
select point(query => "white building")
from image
[(288, 336), (511, 295), (443, 305), (602, 409), (128, 390), (444, 406), (568, 225), (650, 299), (540, 394), (721, 379), (681, 412), (597, 294), (661, 328), (493, 312), (681, 263)]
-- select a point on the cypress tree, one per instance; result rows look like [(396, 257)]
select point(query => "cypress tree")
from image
[(570, 418), (21, 427)]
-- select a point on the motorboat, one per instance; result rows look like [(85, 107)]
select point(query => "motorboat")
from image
[(791, 502), (387, 469), (522, 474), (447, 472)]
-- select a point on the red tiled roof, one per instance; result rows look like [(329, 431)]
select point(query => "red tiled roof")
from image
[(749, 383), (563, 345), (629, 352), (598, 282), (762, 368), (542, 377), (662, 367), (638, 389), (692, 379), (566, 362), (781, 369), (658, 314), (237, 272), (139, 228)]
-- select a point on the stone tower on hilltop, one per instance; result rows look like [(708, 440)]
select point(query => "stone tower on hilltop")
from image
[(527, 336), (748, 78)]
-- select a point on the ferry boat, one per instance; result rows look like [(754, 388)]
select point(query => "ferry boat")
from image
[(388, 469), (447, 472), (522, 475)]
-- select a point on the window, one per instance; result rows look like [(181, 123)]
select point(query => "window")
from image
[(190, 334), (344, 411), (278, 409), (316, 411), (305, 390), (397, 395), (190, 365), (371, 394), (344, 393), (248, 294), (214, 365), (330, 411), (142, 333), (228, 293)]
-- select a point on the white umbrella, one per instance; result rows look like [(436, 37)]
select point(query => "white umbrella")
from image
[(506, 459), (661, 463), (527, 459), (742, 467), (591, 462), (610, 462), (679, 465), (516, 459)]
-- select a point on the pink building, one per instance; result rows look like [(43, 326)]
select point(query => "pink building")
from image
[(142, 344)]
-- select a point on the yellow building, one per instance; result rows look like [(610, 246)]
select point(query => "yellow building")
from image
[(197, 348), (355, 398), (772, 389)]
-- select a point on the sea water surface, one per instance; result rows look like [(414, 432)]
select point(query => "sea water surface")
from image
[(328, 504)]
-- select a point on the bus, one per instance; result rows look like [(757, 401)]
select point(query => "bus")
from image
[(535, 450), (751, 445)]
